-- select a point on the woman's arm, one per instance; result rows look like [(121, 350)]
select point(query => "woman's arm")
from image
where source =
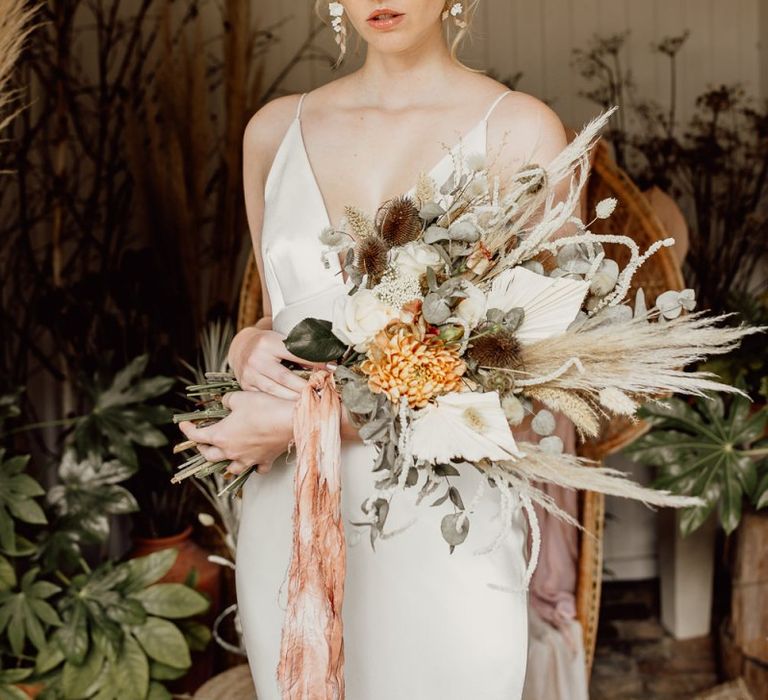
[(256, 352)]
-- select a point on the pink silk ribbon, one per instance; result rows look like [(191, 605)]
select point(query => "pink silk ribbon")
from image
[(311, 663)]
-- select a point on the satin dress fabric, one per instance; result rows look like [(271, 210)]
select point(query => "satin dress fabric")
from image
[(420, 623)]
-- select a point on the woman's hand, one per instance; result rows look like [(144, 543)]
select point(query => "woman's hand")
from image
[(257, 431), (255, 356)]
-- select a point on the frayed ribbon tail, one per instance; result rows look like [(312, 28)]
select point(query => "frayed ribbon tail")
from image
[(311, 663)]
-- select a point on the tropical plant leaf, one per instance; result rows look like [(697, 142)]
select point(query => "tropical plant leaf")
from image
[(120, 421), (17, 494), (172, 600), (707, 448), (144, 571), (82, 681), (163, 642), (20, 612), (131, 671)]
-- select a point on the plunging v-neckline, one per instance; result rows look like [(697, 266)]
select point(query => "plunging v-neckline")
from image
[(313, 177), (318, 190)]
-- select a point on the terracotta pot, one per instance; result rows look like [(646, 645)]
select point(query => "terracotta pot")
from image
[(32, 690), (191, 557)]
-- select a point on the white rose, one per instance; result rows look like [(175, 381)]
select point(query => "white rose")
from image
[(414, 258), (473, 308), (358, 318)]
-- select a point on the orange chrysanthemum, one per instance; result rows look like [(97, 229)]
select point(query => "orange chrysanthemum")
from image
[(402, 364)]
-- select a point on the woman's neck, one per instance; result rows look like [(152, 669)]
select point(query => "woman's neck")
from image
[(407, 78)]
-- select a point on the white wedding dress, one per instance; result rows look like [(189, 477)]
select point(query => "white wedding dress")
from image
[(419, 623)]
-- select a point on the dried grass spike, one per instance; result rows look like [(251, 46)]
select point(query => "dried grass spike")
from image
[(371, 258), (426, 189), (573, 406), (359, 223), (398, 222)]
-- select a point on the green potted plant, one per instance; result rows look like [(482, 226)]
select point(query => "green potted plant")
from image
[(70, 629)]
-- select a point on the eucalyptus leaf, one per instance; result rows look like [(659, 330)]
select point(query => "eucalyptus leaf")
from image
[(451, 535), (435, 309)]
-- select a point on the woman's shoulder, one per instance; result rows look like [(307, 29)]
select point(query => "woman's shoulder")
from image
[(526, 128), (268, 125)]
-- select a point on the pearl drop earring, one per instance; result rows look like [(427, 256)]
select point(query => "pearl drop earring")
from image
[(336, 11)]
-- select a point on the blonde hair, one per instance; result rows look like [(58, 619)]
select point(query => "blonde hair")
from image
[(461, 33)]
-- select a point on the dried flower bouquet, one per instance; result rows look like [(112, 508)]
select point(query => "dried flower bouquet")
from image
[(452, 321)]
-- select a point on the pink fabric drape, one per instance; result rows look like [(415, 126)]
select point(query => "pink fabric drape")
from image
[(311, 663)]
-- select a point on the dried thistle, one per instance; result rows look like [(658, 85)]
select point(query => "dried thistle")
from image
[(360, 224), (371, 258), (496, 349), (398, 221)]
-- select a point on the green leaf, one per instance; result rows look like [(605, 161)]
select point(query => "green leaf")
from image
[(760, 497), (162, 672), (163, 642), (72, 637), (143, 571), (172, 600), (312, 339), (7, 575), (78, 681), (27, 510), (48, 658), (693, 518), (131, 671), (8, 692), (730, 503), (197, 634), (158, 692)]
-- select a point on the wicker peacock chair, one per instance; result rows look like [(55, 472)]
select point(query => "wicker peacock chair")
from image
[(635, 217)]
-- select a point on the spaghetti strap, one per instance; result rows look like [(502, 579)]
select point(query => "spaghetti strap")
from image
[(495, 102), (298, 108)]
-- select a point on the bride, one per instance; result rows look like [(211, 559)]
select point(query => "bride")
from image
[(420, 623)]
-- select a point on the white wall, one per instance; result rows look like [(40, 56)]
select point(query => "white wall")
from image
[(537, 37)]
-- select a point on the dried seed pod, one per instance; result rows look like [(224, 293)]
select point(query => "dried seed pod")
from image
[(371, 258), (498, 349), (398, 221)]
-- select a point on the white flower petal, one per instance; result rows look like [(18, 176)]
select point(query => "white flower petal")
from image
[(466, 425), (550, 303)]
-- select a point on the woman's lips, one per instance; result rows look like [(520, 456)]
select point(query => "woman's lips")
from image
[(385, 19)]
